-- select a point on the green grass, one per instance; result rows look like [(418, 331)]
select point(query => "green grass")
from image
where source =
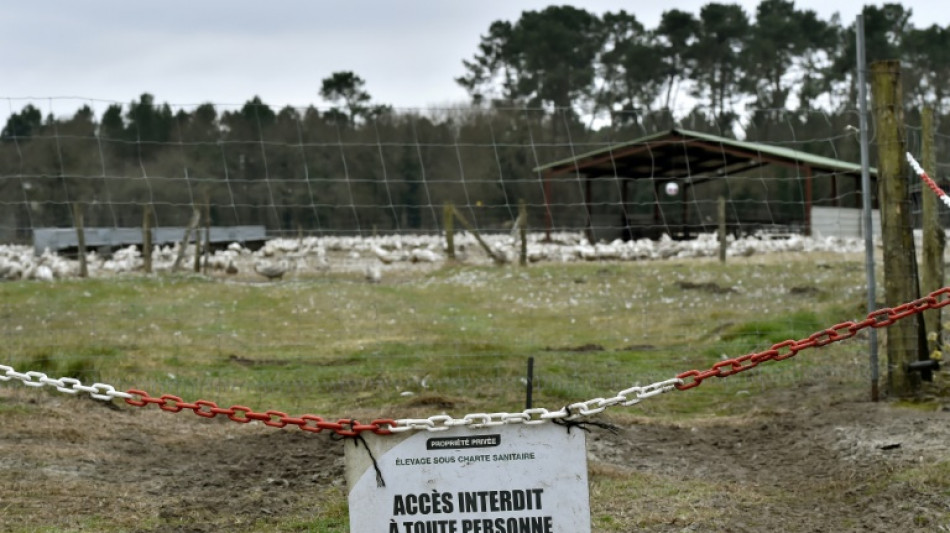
[(934, 478), (334, 342), (627, 500)]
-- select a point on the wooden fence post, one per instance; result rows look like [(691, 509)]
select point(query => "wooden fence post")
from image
[(900, 263), (197, 263), (192, 225), (478, 238), (207, 246), (80, 239), (147, 238), (932, 271), (523, 231), (448, 224)]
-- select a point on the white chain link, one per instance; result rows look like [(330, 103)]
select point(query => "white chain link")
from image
[(533, 416), (99, 391), (537, 415), (915, 165)]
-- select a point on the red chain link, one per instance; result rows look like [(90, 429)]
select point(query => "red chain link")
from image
[(839, 332), (346, 427)]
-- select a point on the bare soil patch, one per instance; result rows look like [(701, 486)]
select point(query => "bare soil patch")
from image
[(802, 459), (710, 287), (795, 465)]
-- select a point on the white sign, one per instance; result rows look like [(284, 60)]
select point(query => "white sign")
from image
[(503, 479)]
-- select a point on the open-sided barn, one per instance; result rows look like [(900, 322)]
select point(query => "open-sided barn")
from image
[(627, 194)]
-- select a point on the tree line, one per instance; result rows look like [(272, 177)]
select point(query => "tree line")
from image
[(552, 84), (779, 58)]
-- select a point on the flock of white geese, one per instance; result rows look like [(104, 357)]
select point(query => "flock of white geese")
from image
[(372, 256)]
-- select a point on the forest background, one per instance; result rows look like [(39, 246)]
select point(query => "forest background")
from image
[(553, 83)]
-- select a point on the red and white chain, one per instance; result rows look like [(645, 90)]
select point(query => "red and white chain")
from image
[(928, 180), (345, 427)]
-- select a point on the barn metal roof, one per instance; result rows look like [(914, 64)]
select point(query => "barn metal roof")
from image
[(679, 153)]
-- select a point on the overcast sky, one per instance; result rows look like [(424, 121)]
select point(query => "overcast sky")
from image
[(188, 52)]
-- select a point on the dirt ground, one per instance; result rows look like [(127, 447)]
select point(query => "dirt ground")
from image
[(802, 460)]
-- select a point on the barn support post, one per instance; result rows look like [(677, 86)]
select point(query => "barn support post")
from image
[(932, 271), (900, 262)]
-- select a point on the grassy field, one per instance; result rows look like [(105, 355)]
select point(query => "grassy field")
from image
[(455, 340), (337, 342)]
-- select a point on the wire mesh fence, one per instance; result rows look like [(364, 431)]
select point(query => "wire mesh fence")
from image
[(355, 232)]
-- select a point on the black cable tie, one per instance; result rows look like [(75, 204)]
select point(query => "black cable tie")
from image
[(357, 439), (583, 425), (380, 482)]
